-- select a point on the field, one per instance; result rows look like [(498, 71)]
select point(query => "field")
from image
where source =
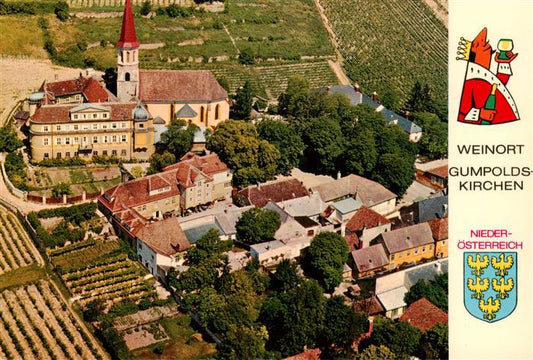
[(385, 46), (16, 248), (35, 323), (84, 252), (110, 280)]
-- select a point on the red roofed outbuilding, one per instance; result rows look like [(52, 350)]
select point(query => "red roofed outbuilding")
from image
[(423, 314), (367, 224)]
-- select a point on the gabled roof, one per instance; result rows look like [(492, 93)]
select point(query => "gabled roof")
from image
[(407, 238), (89, 87), (369, 306), (407, 125), (423, 314), (260, 195), (164, 237), (370, 192), (61, 113), (209, 164), (128, 37), (311, 205), (441, 171), (370, 258), (163, 86), (348, 205), (355, 97), (87, 106), (306, 355), (432, 208), (439, 228), (186, 112), (365, 218)]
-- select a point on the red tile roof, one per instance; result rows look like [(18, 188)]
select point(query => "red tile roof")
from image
[(441, 171), (209, 164), (439, 228), (88, 86), (370, 258), (369, 306), (183, 86), (353, 241), (128, 38), (366, 218), (407, 237), (260, 195), (164, 237), (306, 355), (423, 314), (60, 113)]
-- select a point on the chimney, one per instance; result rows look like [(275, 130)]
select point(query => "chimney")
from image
[(445, 210), (338, 175), (356, 88), (56, 76), (407, 114), (375, 96)]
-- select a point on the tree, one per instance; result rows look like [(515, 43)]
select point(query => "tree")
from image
[(246, 57), (242, 343), (159, 161), (373, 352), (402, 338), (434, 342), (9, 140), (294, 318), (326, 257), (434, 290), (295, 101), (146, 8), (395, 172), (243, 102), (209, 245), (420, 99), (257, 225), (286, 276), (391, 98), (223, 81), (61, 10), (324, 145), (237, 144), (285, 139), (178, 137), (342, 327), (61, 189), (434, 140)]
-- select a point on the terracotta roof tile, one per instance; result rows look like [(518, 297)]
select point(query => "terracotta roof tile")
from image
[(60, 113), (165, 237), (369, 306), (365, 218), (439, 228), (407, 238), (441, 171), (423, 314), (306, 355), (260, 195), (183, 86), (353, 241), (88, 86)]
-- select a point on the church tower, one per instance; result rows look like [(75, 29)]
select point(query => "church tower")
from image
[(127, 58)]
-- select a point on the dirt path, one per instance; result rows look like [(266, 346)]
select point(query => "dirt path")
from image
[(339, 72), (440, 9)]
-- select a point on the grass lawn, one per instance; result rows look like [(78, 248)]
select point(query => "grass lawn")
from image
[(85, 256), (181, 345), (21, 36), (21, 276)]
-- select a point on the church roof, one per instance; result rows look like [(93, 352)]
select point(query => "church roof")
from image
[(128, 37), (181, 86)]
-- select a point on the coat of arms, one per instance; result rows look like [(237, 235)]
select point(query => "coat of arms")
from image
[(485, 99), (490, 281)]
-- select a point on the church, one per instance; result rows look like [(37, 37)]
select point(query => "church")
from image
[(81, 118)]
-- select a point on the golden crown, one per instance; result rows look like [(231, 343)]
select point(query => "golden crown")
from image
[(463, 49)]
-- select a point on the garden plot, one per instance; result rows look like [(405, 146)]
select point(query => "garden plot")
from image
[(35, 323), (145, 336), (145, 317), (16, 248)]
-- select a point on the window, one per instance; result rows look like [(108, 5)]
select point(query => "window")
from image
[(123, 125), (58, 155), (104, 152), (399, 255), (58, 141), (95, 116), (45, 128), (75, 117), (104, 126), (105, 116), (127, 77), (105, 139), (95, 139), (392, 257), (114, 125), (114, 152), (202, 114), (67, 141), (408, 253), (433, 179), (67, 154), (45, 141), (76, 140), (95, 126), (416, 251), (123, 152), (431, 247), (141, 126), (114, 139), (58, 127), (217, 112), (124, 138), (95, 153), (423, 249), (76, 127), (46, 155), (443, 242)]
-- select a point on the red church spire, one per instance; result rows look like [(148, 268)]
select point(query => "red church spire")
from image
[(128, 38)]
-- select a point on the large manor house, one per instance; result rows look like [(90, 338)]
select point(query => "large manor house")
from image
[(82, 118)]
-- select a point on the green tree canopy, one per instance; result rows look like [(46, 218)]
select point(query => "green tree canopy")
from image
[(326, 257), (395, 172), (9, 140), (373, 352), (324, 145), (246, 57), (294, 101), (434, 141), (237, 144), (435, 290), (285, 139), (242, 343), (401, 338), (434, 342), (286, 276), (243, 102), (61, 10), (146, 7), (159, 161), (257, 225), (178, 137)]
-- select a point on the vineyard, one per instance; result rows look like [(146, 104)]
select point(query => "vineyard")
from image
[(16, 248), (390, 44), (110, 280), (35, 323)]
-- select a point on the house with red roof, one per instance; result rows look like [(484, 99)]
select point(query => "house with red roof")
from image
[(423, 314), (278, 191), (369, 261), (439, 229), (433, 174), (365, 225)]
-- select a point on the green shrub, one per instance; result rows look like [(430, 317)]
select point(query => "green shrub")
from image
[(62, 162), (61, 189), (159, 349), (9, 140), (61, 10)]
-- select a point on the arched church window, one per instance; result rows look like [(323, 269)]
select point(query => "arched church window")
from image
[(128, 56), (127, 77), (202, 114), (217, 112)]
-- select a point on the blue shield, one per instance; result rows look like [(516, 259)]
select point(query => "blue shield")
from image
[(490, 284)]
